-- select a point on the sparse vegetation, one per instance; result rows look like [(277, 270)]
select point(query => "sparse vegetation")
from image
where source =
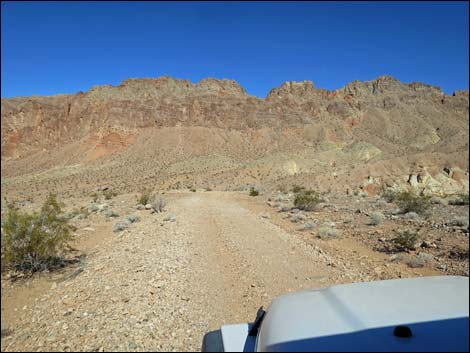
[(459, 222), (388, 194), (109, 194), (376, 218), (327, 232), (461, 200), (37, 241), (253, 192), (407, 239), (308, 226), (307, 200), (158, 204), (145, 197), (297, 188), (94, 196), (411, 202)]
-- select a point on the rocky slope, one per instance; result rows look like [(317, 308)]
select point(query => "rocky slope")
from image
[(173, 133)]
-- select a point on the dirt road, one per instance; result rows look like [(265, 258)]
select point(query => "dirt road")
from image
[(161, 285)]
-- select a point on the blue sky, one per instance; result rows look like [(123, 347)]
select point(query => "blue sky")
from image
[(65, 47)]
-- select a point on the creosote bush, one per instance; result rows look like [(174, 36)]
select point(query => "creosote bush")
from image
[(411, 202), (307, 200), (407, 239), (253, 192), (37, 241)]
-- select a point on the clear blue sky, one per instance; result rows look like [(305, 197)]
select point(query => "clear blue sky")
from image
[(65, 47)]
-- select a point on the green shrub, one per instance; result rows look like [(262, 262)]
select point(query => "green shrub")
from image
[(145, 196), (407, 239), (35, 242), (410, 202), (253, 192), (307, 200)]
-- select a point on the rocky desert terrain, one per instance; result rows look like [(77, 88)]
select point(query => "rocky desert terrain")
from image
[(141, 280)]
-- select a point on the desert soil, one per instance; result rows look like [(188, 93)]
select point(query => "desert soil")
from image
[(160, 284)]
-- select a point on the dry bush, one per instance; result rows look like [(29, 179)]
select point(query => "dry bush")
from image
[(158, 204), (145, 196)]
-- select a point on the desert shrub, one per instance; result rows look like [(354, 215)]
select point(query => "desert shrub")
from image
[(307, 200), (308, 226), (94, 196), (298, 217), (111, 214), (145, 196), (406, 239), (253, 192), (158, 204), (37, 241), (133, 218), (411, 202), (461, 200), (109, 194), (297, 188), (459, 222), (280, 198), (376, 218), (120, 226), (327, 232), (389, 195), (193, 190)]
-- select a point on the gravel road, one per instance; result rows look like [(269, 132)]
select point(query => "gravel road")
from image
[(161, 285)]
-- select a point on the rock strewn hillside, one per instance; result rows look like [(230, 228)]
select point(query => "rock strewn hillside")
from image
[(374, 132)]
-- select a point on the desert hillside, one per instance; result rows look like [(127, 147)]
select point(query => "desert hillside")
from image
[(175, 134), (246, 199)]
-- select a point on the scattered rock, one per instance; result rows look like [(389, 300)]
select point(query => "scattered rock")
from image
[(420, 260)]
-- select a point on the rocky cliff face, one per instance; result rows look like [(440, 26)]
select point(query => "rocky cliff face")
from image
[(363, 123)]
